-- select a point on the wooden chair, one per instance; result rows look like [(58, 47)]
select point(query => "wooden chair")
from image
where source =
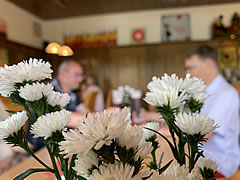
[(13, 107), (90, 100), (236, 176), (109, 99)]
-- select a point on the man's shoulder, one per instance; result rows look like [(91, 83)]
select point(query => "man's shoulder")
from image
[(54, 82), (228, 89), (56, 85), (226, 95)]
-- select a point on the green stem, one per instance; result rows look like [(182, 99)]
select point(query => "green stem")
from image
[(174, 150), (173, 137), (56, 172), (70, 175), (64, 164), (26, 147), (66, 167), (181, 150), (192, 155), (154, 157), (153, 153), (31, 119)]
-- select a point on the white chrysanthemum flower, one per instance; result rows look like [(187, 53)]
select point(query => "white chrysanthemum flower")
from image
[(135, 93), (200, 97), (177, 172), (85, 163), (165, 83), (189, 84), (120, 92), (116, 171), (143, 150), (192, 85), (94, 131), (171, 97), (172, 81), (12, 124), (151, 125), (117, 95), (50, 123), (35, 91), (57, 98), (32, 70), (195, 123), (132, 137), (207, 163)]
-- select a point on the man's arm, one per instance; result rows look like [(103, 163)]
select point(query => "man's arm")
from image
[(76, 116)]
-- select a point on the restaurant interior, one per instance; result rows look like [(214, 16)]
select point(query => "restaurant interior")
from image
[(119, 44)]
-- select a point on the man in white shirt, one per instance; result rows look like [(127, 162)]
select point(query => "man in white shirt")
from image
[(222, 105)]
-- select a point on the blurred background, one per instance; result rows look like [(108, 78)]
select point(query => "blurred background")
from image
[(121, 42)]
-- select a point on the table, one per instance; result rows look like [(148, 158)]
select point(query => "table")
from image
[(43, 155), (30, 163)]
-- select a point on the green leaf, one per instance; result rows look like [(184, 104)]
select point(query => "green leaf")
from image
[(28, 172), (194, 105), (160, 171), (144, 178), (174, 151), (12, 112), (160, 160), (107, 152), (125, 155)]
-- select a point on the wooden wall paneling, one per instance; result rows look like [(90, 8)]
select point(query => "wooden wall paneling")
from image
[(107, 71), (157, 60), (145, 69), (95, 63), (126, 64), (18, 52), (174, 56), (101, 69), (114, 70)]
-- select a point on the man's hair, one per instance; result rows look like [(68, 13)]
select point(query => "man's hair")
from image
[(204, 52), (65, 65)]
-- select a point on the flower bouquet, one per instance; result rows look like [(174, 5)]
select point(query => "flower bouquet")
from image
[(105, 145), (179, 101), (124, 95)]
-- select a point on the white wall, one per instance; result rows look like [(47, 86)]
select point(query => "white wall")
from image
[(19, 24), (201, 18)]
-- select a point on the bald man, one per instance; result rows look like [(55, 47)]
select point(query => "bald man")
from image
[(70, 75)]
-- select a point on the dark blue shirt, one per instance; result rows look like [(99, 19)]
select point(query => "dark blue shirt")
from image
[(75, 100)]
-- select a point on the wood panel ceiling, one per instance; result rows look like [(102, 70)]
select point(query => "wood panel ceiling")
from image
[(55, 9)]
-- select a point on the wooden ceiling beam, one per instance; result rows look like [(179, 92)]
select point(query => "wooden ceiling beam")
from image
[(55, 9)]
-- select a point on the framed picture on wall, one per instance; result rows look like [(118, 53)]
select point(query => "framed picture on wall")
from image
[(227, 57), (138, 36), (175, 27)]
